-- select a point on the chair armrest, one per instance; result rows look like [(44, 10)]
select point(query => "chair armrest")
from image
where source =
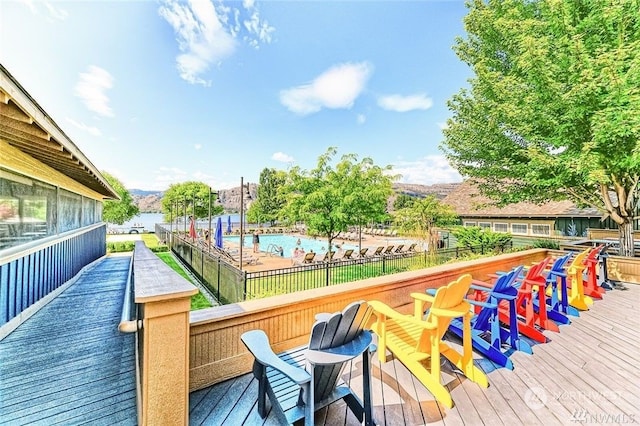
[(424, 296), (258, 344), (482, 304), (381, 309), (341, 353)]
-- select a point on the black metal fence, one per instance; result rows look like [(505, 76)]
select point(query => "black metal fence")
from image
[(230, 285)]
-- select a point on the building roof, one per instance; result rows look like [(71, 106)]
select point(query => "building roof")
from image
[(467, 201), (27, 127)]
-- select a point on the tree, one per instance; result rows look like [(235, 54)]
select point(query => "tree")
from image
[(328, 200), (553, 111), (404, 200), (189, 198), (269, 199), (118, 212), (423, 217)]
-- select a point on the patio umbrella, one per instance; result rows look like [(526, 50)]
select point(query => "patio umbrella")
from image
[(192, 229), (218, 234), (228, 224)]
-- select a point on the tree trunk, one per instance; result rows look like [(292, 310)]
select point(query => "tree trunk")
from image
[(626, 237)]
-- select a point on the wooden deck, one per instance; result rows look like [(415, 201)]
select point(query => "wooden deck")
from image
[(587, 373), (69, 364)]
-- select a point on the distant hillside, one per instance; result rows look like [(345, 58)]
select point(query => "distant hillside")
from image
[(147, 201), (151, 201)]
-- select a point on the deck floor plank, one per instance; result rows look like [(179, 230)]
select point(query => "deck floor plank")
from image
[(69, 364), (588, 369)]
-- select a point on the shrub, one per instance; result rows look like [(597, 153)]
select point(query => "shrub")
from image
[(546, 243), (481, 240)]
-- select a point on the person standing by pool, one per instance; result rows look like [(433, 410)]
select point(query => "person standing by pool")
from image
[(256, 241)]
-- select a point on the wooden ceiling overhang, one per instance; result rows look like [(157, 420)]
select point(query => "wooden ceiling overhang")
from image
[(28, 128)]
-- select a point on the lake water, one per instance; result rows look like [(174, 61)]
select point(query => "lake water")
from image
[(149, 220)]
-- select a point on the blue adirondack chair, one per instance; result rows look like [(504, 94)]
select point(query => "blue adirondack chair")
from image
[(557, 306), (487, 335), (557, 282)]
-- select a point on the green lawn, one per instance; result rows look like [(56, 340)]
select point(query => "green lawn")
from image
[(198, 301)]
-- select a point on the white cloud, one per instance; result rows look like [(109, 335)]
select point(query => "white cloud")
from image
[(259, 30), (201, 37), (361, 118), (30, 5), (198, 146), (400, 103), (282, 157), (338, 87), (427, 170), (91, 89), (92, 130), (207, 33), (56, 13), (53, 12), (443, 125)]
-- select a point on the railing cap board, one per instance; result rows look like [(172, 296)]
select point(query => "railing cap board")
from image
[(156, 281)]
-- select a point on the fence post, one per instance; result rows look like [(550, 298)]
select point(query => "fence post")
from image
[(326, 278), (243, 277)]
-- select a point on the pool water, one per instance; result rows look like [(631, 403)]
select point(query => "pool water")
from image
[(288, 243)]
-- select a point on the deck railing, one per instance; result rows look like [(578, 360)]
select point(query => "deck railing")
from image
[(217, 354), (30, 273)]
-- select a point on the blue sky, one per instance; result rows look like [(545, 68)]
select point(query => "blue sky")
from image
[(164, 92)]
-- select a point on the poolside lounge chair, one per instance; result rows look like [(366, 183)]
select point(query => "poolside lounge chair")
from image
[(411, 248), (398, 249), (363, 252), (378, 251), (308, 257), (328, 256), (414, 340), (389, 250), (347, 254), (300, 381)]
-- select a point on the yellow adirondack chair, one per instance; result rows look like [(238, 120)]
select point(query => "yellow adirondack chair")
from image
[(576, 297), (414, 340)]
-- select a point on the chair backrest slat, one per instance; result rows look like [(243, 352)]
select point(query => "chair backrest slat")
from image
[(338, 329)]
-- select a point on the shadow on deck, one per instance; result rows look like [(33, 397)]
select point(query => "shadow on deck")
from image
[(69, 364), (586, 373)]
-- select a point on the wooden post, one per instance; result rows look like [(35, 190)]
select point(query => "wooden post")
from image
[(164, 298)]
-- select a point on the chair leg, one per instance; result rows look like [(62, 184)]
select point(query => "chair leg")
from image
[(366, 378), (260, 373)]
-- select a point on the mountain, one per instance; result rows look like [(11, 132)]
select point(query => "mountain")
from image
[(151, 201), (438, 190)]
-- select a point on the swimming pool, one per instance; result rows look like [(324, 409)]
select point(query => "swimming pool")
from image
[(288, 243)]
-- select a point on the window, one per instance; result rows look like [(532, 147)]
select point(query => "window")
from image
[(519, 228), (484, 225), (27, 209), (541, 230), (500, 227), (469, 224)]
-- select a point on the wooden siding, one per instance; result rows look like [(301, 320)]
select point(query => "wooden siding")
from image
[(587, 373), (69, 364), (29, 275), (216, 353), (15, 160)]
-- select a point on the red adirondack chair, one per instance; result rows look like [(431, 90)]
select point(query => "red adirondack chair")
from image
[(529, 321), (591, 287)]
